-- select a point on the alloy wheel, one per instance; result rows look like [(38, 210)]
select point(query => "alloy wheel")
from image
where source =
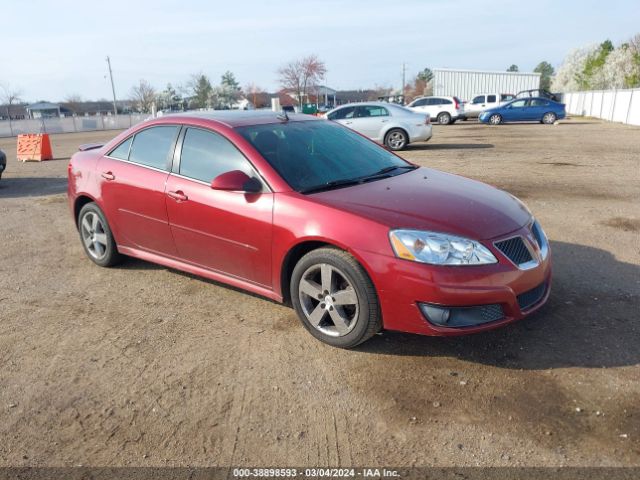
[(495, 119), (396, 140), (94, 235), (328, 300)]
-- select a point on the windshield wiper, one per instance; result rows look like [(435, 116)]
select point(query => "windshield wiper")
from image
[(332, 184), (382, 173)]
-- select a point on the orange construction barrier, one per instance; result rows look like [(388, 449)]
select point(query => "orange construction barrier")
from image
[(34, 147)]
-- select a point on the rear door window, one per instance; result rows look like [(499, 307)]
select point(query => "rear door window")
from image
[(538, 102), (445, 101), (121, 152), (153, 147), (491, 98)]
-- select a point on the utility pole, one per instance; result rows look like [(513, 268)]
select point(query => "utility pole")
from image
[(404, 68), (113, 88)]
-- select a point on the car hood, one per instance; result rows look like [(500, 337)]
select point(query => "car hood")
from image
[(428, 199)]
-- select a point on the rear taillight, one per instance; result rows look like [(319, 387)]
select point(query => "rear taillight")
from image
[(456, 103), (427, 120)]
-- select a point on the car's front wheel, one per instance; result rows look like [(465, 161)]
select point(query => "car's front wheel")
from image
[(549, 118), (396, 139), (335, 298), (96, 236), (495, 119)]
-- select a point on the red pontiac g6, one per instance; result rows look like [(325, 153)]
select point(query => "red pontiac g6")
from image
[(307, 212)]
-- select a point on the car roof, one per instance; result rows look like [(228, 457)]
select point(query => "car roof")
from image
[(239, 118)]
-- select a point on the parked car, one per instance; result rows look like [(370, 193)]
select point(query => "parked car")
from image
[(3, 162), (484, 101), (538, 92), (307, 212), (535, 109), (445, 110), (386, 123)]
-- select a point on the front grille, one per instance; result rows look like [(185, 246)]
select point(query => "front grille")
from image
[(531, 297), (515, 250), (491, 313)]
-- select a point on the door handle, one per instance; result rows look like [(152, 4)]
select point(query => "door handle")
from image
[(348, 123), (108, 176), (385, 121), (178, 196)]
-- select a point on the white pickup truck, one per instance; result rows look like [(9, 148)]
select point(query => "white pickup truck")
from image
[(484, 101)]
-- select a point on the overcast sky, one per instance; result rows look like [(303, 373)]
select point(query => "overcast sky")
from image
[(51, 49)]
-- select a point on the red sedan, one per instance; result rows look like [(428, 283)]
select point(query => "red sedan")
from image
[(307, 212)]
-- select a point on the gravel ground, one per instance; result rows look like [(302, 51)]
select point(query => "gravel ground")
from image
[(142, 365)]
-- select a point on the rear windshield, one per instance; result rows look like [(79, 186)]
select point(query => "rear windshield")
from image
[(310, 154)]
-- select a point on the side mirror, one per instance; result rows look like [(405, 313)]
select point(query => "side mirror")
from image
[(236, 181)]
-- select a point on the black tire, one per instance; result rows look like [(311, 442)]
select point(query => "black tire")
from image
[(367, 318), (110, 255), (495, 119), (444, 118), (396, 139), (549, 118)]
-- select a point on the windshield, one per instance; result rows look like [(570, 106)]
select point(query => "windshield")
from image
[(317, 155)]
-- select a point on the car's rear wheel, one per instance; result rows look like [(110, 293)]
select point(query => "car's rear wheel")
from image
[(495, 119), (96, 236), (335, 298), (549, 118), (396, 139), (444, 118)]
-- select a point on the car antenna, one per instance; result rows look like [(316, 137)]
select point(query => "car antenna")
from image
[(283, 116)]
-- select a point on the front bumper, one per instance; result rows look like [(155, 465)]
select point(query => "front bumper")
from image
[(403, 286)]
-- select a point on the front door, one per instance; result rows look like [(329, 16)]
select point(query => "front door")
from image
[(370, 121), (133, 178), (229, 232)]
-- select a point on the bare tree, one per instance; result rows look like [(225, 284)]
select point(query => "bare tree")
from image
[(299, 75), (73, 101), (10, 96), (144, 96)]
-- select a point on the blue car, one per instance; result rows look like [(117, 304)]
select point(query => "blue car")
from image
[(536, 109)]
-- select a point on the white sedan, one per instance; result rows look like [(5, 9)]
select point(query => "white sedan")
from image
[(386, 123)]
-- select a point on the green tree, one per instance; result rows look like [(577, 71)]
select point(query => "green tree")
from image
[(229, 80), (201, 91), (590, 76), (513, 68), (425, 75), (546, 72)]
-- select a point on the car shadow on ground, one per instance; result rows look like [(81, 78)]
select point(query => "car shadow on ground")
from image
[(448, 146), (590, 320), (17, 187)]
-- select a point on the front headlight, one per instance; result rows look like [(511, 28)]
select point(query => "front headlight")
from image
[(439, 248)]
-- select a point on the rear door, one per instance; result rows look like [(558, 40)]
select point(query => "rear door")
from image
[(538, 107), (229, 232), (133, 177), (492, 101)]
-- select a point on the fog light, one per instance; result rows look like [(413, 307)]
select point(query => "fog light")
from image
[(437, 315)]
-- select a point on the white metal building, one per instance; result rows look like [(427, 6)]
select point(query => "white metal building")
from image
[(465, 84)]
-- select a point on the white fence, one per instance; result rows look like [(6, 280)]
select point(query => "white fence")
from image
[(69, 124), (614, 105)]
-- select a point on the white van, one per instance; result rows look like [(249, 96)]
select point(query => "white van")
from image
[(484, 101)]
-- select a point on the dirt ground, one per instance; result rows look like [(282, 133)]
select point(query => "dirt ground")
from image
[(142, 365)]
